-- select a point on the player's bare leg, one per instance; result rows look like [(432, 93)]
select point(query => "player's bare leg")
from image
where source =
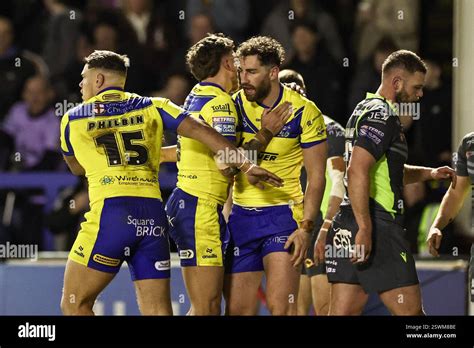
[(82, 285), (204, 285), (240, 292), (304, 295), (321, 290), (282, 283), (403, 301), (347, 299), (153, 296)]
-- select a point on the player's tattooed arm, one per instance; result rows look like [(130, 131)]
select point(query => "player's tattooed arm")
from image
[(412, 174), (272, 123)]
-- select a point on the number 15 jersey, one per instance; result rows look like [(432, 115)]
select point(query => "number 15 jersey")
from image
[(116, 137)]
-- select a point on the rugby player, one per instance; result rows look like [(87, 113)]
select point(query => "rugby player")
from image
[(314, 286), (369, 252), (195, 207), (269, 229), (453, 201), (112, 138)]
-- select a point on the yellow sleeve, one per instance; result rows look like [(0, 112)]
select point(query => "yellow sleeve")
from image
[(220, 114), (313, 126), (171, 114), (66, 146)]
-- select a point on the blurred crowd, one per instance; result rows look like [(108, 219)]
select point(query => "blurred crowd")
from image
[(337, 45)]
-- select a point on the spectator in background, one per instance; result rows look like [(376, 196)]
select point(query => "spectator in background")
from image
[(321, 73), (71, 77), (430, 135), (107, 35), (278, 25), (15, 68), (34, 127), (176, 89), (34, 130), (230, 17), (367, 75), (158, 34), (61, 36), (379, 18)]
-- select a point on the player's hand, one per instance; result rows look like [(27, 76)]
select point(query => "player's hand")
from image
[(275, 120), (445, 172), (434, 241), (300, 239), (320, 247), (295, 87), (257, 176), (362, 247)]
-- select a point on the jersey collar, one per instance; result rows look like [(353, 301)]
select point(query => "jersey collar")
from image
[(107, 94), (211, 84), (280, 95), (378, 96)]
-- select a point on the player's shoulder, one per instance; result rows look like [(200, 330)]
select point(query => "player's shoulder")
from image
[(83, 110)]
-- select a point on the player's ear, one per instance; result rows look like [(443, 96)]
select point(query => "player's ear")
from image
[(274, 71), (397, 83), (99, 80)]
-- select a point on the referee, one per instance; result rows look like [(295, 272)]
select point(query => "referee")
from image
[(366, 249)]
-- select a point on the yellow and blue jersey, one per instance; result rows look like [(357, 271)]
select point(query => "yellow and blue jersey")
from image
[(283, 155), (198, 174), (116, 137)]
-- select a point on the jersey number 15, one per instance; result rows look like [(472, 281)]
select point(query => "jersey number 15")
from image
[(114, 153)]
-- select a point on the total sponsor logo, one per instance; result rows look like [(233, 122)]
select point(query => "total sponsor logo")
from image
[(146, 227)]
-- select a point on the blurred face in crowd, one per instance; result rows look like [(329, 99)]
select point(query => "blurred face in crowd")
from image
[(200, 26), (433, 75), (177, 88), (138, 6), (105, 37), (37, 94), (304, 40), (6, 35), (408, 87), (300, 7), (255, 78)]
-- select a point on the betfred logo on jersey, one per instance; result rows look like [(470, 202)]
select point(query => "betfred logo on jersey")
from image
[(224, 125)]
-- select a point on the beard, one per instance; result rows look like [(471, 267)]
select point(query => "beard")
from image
[(261, 91), (402, 97)]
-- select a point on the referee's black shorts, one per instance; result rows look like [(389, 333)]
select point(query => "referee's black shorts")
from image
[(390, 264)]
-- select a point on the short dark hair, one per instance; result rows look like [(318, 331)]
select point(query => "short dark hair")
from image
[(406, 60), (306, 23), (268, 50), (289, 76), (204, 57), (108, 60)]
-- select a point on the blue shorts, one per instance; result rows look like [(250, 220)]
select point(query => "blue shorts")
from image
[(132, 229), (256, 232), (198, 228)]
